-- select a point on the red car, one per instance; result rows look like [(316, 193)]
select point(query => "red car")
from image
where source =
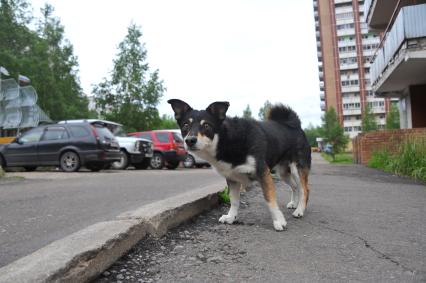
[(169, 149)]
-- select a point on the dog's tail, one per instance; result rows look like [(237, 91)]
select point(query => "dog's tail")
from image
[(284, 115)]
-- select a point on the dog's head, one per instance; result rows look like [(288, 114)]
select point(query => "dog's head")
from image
[(199, 127)]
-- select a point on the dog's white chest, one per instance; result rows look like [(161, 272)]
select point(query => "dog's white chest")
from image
[(240, 173)]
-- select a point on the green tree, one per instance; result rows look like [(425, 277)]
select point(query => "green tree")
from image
[(263, 111), (392, 118), (247, 113), (332, 132), (312, 133), (369, 123), (132, 94), (167, 123), (44, 55)]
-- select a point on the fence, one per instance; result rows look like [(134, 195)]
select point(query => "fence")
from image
[(365, 144)]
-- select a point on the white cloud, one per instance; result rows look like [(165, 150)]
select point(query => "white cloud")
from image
[(245, 51)]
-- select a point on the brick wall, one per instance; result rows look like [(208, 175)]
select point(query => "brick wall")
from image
[(365, 144)]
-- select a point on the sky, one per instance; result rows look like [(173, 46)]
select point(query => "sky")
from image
[(241, 51)]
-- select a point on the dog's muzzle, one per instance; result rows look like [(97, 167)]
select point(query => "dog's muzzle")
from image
[(191, 141)]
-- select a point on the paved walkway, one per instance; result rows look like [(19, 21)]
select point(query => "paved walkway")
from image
[(362, 225)]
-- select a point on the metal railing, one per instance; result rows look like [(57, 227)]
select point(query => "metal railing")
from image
[(409, 24)]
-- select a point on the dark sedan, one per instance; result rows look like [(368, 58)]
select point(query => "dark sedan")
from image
[(68, 146)]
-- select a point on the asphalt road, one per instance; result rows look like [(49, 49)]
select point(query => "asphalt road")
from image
[(361, 225), (47, 206)]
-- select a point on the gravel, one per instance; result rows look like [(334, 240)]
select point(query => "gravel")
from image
[(337, 240)]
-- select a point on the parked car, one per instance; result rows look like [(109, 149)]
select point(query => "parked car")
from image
[(68, 146), (328, 148), (134, 151), (169, 149), (192, 160)]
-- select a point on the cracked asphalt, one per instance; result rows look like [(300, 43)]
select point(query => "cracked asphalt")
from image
[(361, 225)]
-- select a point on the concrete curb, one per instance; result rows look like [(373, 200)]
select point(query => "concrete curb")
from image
[(83, 255)]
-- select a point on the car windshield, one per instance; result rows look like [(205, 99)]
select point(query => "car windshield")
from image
[(119, 132)]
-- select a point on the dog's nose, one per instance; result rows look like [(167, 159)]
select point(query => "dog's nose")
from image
[(191, 141)]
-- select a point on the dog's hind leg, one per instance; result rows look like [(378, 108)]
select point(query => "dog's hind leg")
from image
[(287, 178), (301, 178), (296, 177), (269, 193), (234, 195)]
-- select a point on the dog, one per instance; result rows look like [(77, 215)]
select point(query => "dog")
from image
[(245, 150)]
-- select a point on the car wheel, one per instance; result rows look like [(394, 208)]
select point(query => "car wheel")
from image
[(189, 161), (123, 163), (172, 165), (95, 167), (69, 161), (143, 165), (30, 168), (157, 161)]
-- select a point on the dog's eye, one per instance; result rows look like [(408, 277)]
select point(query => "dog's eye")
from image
[(185, 127), (206, 126)]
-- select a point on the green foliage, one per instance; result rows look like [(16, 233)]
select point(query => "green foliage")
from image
[(312, 133), (392, 118), (408, 160), (224, 196), (44, 56), (340, 158), (263, 111), (369, 123), (167, 122), (332, 132), (247, 112), (132, 94)]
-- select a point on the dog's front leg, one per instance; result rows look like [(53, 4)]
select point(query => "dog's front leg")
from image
[(234, 195), (269, 193)]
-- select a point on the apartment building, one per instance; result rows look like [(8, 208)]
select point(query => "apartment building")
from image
[(344, 49), (399, 64)]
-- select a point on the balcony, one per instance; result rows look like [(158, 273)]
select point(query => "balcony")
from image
[(346, 89), (322, 96), (322, 105), (352, 123), (379, 13), (348, 66), (342, 1), (344, 32), (401, 61), (351, 112)]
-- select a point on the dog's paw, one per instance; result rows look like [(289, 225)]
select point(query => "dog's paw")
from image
[(298, 213), (291, 205), (279, 225), (229, 219)]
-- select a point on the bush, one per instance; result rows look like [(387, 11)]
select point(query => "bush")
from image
[(408, 160), (224, 196)]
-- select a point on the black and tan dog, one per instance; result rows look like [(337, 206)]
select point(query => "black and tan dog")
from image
[(245, 150)]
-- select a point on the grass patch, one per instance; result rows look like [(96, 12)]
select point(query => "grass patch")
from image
[(340, 158), (408, 160), (224, 196)]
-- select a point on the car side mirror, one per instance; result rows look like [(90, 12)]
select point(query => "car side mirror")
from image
[(18, 141)]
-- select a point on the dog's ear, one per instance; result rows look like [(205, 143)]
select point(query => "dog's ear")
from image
[(179, 107), (218, 109)]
